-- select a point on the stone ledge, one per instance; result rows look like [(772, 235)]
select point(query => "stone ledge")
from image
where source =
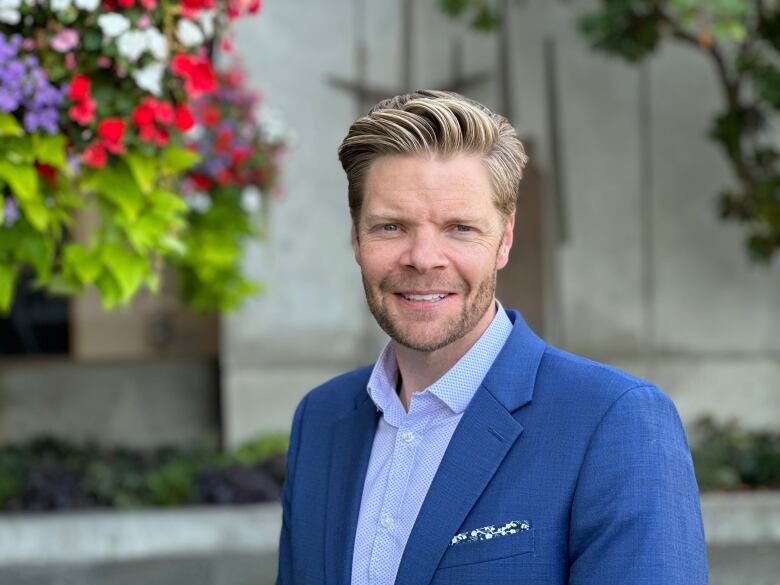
[(113, 536), (101, 536), (733, 519)]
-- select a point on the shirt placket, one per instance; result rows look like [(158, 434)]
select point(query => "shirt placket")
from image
[(384, 556)]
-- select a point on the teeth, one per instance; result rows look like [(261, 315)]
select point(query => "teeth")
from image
[(429, 298)]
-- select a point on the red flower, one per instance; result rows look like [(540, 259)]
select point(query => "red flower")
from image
[(143, 115), (224, 176), (149, 4), (80, 88), (126, 3), (199, 77), (202, 182), (83, 112), (191, 7), (163, 113), (47, 172), (239, 154), (95, 155), (148, 133), (161, 137), (184, 118), (111, 131), (210, 115)]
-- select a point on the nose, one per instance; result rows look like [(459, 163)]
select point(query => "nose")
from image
[(424, 253)]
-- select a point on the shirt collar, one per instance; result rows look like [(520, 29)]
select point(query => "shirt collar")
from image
[(456, 387)]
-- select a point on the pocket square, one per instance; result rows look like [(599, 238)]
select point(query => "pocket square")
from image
[(488, 532)]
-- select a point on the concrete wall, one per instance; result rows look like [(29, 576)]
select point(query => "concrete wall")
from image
[(647, 277)]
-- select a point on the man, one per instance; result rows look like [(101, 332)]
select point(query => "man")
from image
[(472, 452)]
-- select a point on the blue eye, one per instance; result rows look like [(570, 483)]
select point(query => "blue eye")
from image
[(390, 227), (463, 228)]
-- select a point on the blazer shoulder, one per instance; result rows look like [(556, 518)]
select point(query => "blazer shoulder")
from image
[(586, 381)]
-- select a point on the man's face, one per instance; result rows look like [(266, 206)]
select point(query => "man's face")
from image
[(429, 241)]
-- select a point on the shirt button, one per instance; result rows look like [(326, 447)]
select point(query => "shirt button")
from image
[(408, 436), (387, 521)]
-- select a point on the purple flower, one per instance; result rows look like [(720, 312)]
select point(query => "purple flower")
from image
[(11, 210)]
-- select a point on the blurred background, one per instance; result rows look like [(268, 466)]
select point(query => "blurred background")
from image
[(647, 237)]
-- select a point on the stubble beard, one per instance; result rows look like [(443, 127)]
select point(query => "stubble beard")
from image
[(469, 316)]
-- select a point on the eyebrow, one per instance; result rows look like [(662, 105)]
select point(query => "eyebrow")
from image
[(390, 217)]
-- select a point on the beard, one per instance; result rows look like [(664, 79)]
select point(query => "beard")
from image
[(474, 307)]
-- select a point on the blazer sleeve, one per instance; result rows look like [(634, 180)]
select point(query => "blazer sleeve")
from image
[(285, 573), (636, 516)]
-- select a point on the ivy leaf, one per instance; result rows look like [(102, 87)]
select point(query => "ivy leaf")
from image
[(167, 203), (37, 214), (110, 291), (22, 179), (176, 159), (8, 273), (143, 168), (9, 125), (38, 250), (128, 269), (117, 185), (84, 263), (50, 150)]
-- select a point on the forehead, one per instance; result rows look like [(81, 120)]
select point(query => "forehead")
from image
[(402, 181)]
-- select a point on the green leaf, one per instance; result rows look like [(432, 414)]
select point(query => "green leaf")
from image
[(37, 250), (9, 126), (36, 213), (50, 150), (117, 185), (110, 291), (143, 168), (8, 273), (22, 179), (176, 159), (167, 202), (129, 270), (85, 264)]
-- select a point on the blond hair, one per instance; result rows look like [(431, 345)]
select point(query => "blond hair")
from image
[(440, 123)]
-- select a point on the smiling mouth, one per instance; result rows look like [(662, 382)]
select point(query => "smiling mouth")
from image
[(424, 298)]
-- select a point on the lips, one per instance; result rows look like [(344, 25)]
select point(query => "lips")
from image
[(424, 297)]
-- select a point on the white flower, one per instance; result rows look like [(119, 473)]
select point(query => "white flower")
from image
[(272, 125), (198, 202), (196, 132), (9, 11), (88, 5), (250, 199), (188, 33), (156, 43), (150, 77), (113, 24), (131, 44), (60, 5), (206, 21)]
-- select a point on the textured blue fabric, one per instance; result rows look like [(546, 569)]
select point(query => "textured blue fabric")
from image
[(407, 450), (592, 461)]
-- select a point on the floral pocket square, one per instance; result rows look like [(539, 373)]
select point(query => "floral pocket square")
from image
[(488, 532)]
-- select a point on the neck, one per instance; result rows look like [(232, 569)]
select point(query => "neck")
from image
[(419, 369)]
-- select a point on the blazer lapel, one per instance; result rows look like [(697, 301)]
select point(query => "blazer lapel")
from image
[(353, 437), (481, 441)]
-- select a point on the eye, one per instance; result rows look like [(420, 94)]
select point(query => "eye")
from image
[(462, 228), (390, 227)]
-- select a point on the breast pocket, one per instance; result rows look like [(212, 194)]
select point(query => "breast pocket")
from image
[(480, 551)]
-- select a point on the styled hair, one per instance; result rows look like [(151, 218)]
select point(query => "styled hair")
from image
[(440, 123)]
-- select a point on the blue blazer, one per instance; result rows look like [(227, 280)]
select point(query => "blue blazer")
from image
[(594, 461)]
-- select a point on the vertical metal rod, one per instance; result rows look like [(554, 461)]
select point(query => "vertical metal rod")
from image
[(407, 44), (554, 211), (506, 103), (646, 223), (361, 51)]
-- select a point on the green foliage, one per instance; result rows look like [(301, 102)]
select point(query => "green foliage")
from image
[(482, 15), (124, 478), (742, 37), (727, 457)]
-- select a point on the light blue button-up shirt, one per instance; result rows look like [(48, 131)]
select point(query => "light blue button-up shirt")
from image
[(408, 448)]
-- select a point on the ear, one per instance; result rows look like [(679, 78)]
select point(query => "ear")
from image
[(506, 242)]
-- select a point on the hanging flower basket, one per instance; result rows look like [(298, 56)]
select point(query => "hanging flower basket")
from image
[(104, 109)]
